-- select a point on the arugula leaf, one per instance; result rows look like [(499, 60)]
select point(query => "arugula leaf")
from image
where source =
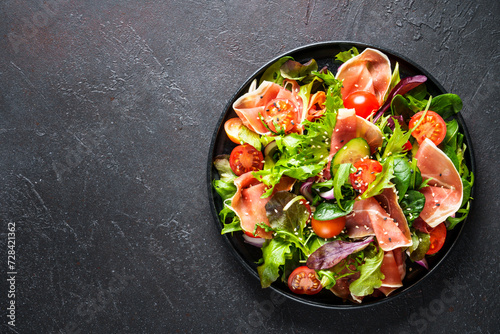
[(396, 142), (371, 276), (346, 55)]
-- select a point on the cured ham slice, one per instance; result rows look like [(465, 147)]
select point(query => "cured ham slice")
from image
[(350, 126), (369, 218), (389, 268), (248, 204), (252, 104), (316, 106), (369, 71), (443, 195), (388, 199)]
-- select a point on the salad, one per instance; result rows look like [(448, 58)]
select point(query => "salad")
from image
[(343, 179)]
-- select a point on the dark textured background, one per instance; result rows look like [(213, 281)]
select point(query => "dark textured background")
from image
[(107, 110)]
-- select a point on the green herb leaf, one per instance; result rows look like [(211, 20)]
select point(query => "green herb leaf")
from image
[(371, 276)]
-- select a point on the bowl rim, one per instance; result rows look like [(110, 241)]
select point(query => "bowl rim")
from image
[(210, 173)]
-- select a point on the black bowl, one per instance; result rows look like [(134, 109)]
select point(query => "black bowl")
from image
[(324, 53)]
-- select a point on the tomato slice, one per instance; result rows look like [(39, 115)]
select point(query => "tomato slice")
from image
[(280, 115), (232, 128), (432, 127), (328, 228), (245, 158), (407, 146), (303, 281), (366, 172), (365, 103), (438, 236)]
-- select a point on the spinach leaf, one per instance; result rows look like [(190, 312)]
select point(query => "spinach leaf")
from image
[(412, 203), (371, 276), (328, 211), (402, 176), (446, 105)]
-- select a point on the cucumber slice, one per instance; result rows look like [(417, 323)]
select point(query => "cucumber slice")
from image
[(355, 150)]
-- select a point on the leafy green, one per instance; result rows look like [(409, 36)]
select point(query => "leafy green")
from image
[(248, 136), (346, 55), (420, 245), (285, 212), (233, 226), (412, 203), (371, 276), (341, 177), (402, 175), (446, 105), (294, 70), (274, 253), (382, 180), (225, 185), (329, 211), (396, 141), (273, 73)]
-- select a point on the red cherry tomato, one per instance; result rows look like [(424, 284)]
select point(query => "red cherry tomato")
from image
[(328, 228), (438, 236), (304, 281), (366, 172), (432, 127), (407, 146), (280, 115), (363, 102), (245, 158), (232, 128)]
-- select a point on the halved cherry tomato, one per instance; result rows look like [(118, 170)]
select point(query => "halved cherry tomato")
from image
[(328, 228), (232, 128), (366, 172), (280, 115), (432, 127), (363, 102), (303, 281), (245, 158), (438, 236)]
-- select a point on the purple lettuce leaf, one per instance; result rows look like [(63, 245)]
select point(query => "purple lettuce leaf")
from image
[(403, 87), (333, 252)]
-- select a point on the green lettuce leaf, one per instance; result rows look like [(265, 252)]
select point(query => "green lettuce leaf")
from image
[(273, 73), (274, 254), (346, 55), (371, 276)]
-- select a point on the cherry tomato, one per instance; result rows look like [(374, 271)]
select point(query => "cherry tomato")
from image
[(407, 146), (245, 158), (232, 128), (366, 172), (432, 127), (438, 236), (304, 281), (328, 228), (306, 204), (281, 113), (363, 102), (251, 235)]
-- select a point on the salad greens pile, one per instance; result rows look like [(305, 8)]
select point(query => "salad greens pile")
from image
[(324, 191)]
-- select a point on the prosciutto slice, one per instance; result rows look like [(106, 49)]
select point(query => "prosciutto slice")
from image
[(250, 105), (369, 218), (248, 204), (369, 71), (390, 269), (443, 195)]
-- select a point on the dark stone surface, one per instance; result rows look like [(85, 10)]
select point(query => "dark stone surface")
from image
[(107, 110)]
